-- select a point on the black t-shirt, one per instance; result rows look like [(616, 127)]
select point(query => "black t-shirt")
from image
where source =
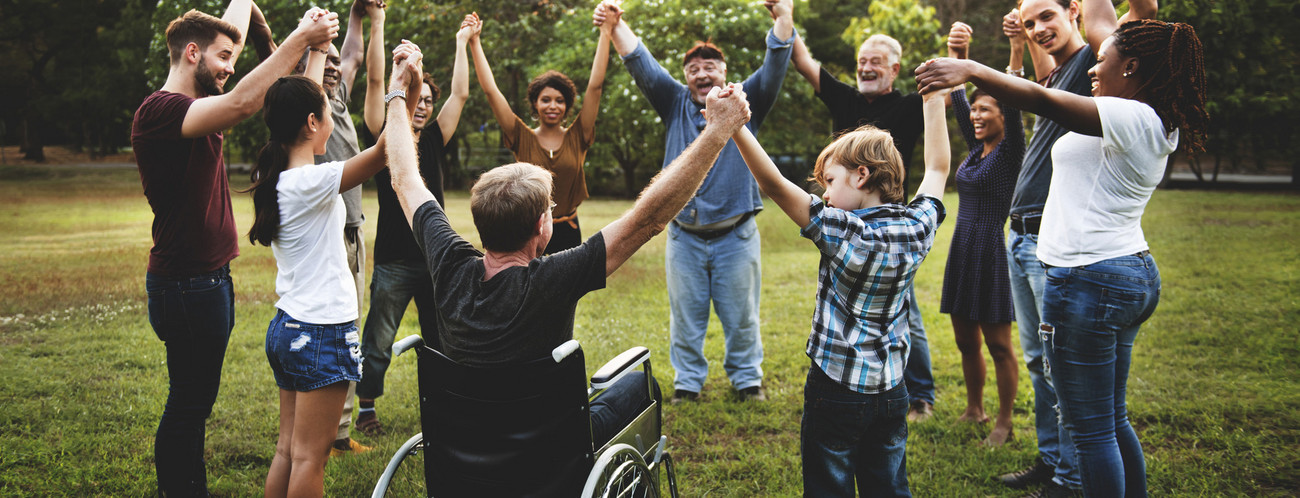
[(897, 113), (393, 239), (518, 315)]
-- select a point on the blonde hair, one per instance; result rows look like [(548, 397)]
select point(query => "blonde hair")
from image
[(871, 147), (506, 203)]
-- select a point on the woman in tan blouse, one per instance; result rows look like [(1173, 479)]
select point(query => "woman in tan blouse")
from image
[(551, 145)]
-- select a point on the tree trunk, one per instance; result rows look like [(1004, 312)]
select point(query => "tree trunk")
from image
[(32, 147)]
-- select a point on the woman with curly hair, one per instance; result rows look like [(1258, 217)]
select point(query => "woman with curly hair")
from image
[(551, 145), (1102, 283)]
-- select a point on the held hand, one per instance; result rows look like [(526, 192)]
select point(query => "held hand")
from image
[(959, 40), (608, 13), (938, 74), (727, 108), (469, 27), (613, 15), (406, 67), (778, 8), (1011, 26), (320, 26)]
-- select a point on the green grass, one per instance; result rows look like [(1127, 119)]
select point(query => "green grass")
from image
[(1213, 392)]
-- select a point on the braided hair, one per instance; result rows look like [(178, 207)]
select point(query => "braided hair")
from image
[(1172, 68)]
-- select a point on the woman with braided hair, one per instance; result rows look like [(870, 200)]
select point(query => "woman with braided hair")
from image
[(1102, 283)]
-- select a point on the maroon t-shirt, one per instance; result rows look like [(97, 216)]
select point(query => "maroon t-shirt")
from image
[(185, 182)]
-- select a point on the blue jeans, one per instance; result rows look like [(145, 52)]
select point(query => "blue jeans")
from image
[(1091, 315), (616, 407), (1027, 278), (726, 271), (392, 286), (917, 375), (193, 316), (846, 436)]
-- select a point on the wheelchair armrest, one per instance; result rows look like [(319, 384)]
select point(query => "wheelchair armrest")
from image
[(616, 368), (406, 344), (564, 350)]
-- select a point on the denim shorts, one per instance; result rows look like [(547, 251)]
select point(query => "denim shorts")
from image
[(306, 356)]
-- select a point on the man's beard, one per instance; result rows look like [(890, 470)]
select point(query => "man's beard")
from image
[(206, 80)]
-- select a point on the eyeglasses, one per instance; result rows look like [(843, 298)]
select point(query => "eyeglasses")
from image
[(552, 208), (427, 101)]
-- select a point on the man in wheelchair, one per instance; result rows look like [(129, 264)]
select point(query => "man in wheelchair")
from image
[(510, 304)]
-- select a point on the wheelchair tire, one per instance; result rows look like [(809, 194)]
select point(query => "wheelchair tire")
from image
[(410, 448), (620, 472)]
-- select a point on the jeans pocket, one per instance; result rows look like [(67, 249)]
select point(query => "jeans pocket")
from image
[(298, 347), (158, 313), (747, 229), (837, 425), (895, 421)]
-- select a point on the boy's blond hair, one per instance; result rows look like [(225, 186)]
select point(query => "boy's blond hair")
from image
[(871, 147), (506, 203)]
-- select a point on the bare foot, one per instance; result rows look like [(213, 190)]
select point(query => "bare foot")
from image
[(920, 411), (1000, 435), (974, 415)]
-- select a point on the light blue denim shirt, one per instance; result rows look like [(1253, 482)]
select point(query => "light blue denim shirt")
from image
[(729, 189)]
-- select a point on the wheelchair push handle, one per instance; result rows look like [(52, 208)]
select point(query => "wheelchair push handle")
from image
[(406, 344), (620, 365)]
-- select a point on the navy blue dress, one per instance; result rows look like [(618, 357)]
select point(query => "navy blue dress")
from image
[(975, 282)]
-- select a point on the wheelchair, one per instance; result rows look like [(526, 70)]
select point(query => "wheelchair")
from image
[(525, 430)]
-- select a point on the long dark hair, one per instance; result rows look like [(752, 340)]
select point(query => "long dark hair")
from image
[(1172, 68), (288, 103)]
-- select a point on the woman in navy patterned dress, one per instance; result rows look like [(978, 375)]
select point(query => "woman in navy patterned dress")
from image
[(976, 289)]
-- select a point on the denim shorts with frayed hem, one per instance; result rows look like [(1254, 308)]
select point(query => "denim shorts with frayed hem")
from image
[(306, 356)]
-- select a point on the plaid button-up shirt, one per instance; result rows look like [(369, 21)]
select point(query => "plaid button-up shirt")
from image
[(869, 256)]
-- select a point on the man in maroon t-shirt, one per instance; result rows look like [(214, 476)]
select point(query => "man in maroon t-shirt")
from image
[(177, 137)]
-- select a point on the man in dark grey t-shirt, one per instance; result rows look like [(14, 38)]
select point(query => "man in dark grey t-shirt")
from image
[(511, 303)]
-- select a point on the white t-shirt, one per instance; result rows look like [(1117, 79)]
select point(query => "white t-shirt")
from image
[(312, 278), (1101, 185)]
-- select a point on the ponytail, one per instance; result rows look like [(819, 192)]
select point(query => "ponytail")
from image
[(285, 109), (271, 160)]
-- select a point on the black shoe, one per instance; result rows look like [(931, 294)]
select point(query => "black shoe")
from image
[(682, 395), (1040, 473), (1054, 490), (753, 393)]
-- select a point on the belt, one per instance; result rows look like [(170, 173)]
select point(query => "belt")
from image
[(715, 232), (1026, 224)]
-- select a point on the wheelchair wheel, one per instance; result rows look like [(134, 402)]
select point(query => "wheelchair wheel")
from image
[(620, 472), (404, 475)]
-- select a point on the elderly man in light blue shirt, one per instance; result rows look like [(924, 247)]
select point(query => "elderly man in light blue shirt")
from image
[(713, 253)]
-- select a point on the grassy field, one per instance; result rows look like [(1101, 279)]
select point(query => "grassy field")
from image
[(1214, 393)]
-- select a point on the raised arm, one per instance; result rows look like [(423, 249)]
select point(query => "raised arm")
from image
[(403, 163), (315, 68), (782, 12), (407, 67), (792, 199), (209, 115), (595, 86), (938, 153), (1038, 56), (260, 36), (353, 52), (449, 115), (676, 183), (1075, 112), (496, 100), (238, 14), (609, 15), (373, 111), (806, 65), (1139, 9)]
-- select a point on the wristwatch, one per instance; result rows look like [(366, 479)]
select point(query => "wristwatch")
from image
[(395, 94)]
